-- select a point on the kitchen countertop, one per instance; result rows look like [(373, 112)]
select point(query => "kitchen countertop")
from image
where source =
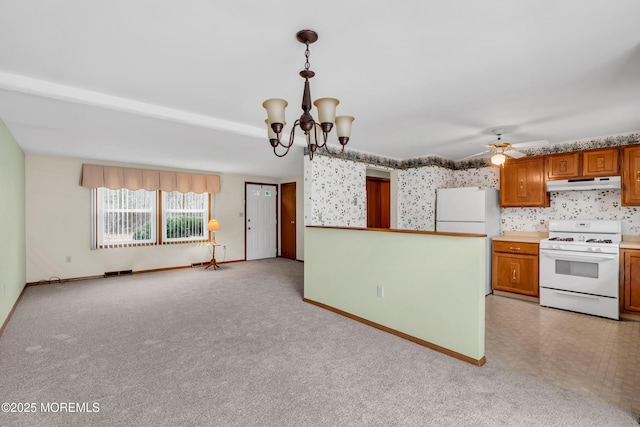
[(630, 242), (525, 237)]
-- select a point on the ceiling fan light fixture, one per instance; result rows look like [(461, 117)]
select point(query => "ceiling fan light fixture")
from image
[(498, 159)]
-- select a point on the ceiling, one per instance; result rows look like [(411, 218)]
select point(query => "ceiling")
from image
[(180, 84)]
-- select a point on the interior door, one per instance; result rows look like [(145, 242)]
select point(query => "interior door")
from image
[(261, 222), (288, 220), (378, 202)]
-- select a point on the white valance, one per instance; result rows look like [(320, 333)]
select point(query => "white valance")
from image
[(113, 177)]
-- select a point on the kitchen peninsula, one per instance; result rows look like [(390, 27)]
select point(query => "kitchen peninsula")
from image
[(428, 287)]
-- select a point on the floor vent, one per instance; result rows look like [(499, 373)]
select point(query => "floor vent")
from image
[(117, 273), (198, 264)]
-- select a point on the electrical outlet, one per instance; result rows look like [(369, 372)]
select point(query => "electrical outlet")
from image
[(380, 291), (68, 258)]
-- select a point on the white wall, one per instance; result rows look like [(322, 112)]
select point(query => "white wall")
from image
[(12, 222), (58, 224)]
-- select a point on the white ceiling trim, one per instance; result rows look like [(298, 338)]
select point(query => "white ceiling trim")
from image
[(18, 83)]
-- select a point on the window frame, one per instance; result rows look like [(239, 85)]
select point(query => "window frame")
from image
[(158, 227), (163, 219)]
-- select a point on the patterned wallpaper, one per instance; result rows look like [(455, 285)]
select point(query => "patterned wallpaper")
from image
[(417, 196), (335, 193), (593, 204)]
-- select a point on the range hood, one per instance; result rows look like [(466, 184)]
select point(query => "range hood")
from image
[(604, 183)]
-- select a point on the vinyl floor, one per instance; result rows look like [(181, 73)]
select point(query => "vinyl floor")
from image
[(589, 355)]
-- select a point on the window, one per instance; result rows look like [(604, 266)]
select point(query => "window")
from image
[(184, 216), (130, 217), (126, 217)]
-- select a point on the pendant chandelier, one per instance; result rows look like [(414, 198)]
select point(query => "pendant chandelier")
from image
[(316, 132)]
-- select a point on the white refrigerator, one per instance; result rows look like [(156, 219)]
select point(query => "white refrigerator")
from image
[(470, 210)]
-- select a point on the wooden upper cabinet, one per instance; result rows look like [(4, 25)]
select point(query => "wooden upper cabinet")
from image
[(600, 163), (587, 164), (522, 183), (631, 176), (563, 166)]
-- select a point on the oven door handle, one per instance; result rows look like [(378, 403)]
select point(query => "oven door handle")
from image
[(575, 294), (574, 257)]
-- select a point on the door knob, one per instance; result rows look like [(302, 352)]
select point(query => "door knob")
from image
[(293, 222)]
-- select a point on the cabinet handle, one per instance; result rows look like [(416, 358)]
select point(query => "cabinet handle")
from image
[(514, 249), (638, 176), (514, 274), (522, 181)]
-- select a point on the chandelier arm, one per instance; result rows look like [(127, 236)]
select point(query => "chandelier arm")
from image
[(325, 137), (280, 155), (292, 135), (306, 122)]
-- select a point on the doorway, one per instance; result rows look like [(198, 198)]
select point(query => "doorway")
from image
[(288, 220), (378, 202), (260, 221)]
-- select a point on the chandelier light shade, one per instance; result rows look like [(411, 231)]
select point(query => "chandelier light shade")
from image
[(316, 132), (343, 128)]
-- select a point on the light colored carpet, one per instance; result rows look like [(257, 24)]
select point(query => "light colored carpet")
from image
[(238, 347)]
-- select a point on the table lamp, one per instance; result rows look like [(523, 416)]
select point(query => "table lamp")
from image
[(213, 226)]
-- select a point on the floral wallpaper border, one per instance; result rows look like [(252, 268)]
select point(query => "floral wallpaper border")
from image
[(375, 160), (335, 191)]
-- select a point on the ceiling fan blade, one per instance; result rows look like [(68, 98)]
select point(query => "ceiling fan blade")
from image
[(514, 154), (536, 143), (477, 154)]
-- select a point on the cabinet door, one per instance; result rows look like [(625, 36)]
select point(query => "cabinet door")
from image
[(600, 163), (631, 281), (563, 166), (515, 273), (631, 176), (522, 183)]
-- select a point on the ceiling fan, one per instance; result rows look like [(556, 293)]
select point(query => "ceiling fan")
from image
[(501, 150)]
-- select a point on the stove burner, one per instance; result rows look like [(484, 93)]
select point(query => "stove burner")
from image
[(599, 241), (561, 239)]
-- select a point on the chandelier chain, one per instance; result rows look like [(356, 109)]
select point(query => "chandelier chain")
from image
[(306, 55)]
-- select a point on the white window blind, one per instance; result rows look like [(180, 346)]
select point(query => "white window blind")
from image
[(184, 216), (125, 217)]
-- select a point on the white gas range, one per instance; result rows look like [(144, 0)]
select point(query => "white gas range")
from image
[(579, 266)]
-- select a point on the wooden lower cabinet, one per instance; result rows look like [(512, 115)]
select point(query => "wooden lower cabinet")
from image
[(630, 281), (515, 268)]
